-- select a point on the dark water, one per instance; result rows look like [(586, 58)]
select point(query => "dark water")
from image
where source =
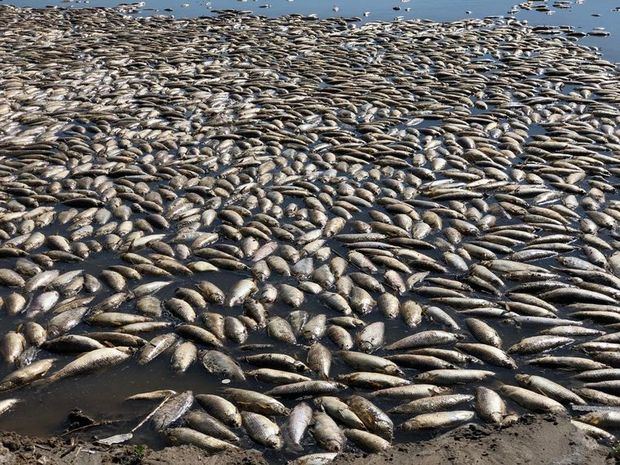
[(581, 15)]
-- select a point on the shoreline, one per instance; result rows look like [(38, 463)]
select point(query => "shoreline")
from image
[(532, 440)]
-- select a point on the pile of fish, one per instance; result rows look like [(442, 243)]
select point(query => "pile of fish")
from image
[(546, 6), (362, 232)]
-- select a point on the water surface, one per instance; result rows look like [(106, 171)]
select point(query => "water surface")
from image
[(583, 15)]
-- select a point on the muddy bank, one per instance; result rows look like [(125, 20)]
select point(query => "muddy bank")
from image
[(532, 440), (16, 449)]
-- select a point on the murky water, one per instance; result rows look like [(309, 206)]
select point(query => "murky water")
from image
[(583, 15)]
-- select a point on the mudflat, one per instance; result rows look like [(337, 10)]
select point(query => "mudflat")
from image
[(533, 439)]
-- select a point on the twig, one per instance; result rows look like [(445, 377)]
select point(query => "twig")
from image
[(91, 425)]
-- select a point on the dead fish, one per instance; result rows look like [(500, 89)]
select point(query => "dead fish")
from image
[(262, 430), (192, 437), (173, 409), (90, 361)]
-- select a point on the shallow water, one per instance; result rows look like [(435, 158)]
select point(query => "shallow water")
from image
[(580, 16)]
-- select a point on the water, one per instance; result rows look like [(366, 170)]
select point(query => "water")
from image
[(580, 16)]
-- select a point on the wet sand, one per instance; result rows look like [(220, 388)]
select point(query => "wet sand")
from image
[(535, 440)]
